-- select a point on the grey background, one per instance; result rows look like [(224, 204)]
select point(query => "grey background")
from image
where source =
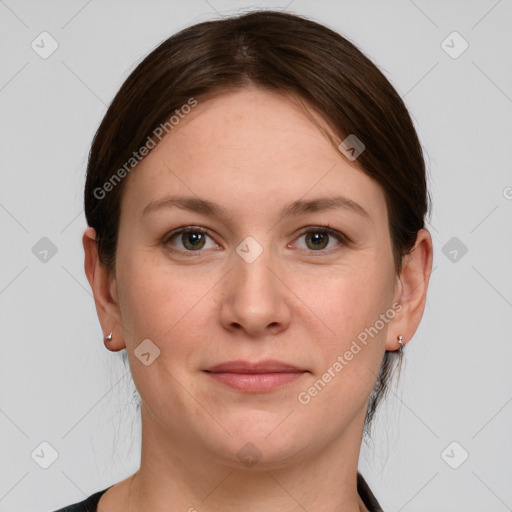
[(61, 386)]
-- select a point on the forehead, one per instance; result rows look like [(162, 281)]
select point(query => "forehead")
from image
[(253, 149)]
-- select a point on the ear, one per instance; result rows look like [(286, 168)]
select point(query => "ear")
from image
[(411, 290), (104, 289)]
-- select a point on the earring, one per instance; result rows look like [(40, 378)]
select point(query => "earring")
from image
[(399, 339), (108, 337)]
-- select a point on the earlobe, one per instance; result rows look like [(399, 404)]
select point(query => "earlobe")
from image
[(104, 290), (411, 291)]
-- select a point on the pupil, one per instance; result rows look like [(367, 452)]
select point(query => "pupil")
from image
[(194, 239), (318, 238)]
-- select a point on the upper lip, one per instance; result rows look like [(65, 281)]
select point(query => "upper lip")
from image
[(266, 366)]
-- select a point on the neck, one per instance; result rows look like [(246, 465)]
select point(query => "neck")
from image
[(179, 476)]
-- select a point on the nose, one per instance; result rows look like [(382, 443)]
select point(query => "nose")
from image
[(256, 298)]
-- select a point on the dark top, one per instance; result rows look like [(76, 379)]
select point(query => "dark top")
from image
[(91, 503)]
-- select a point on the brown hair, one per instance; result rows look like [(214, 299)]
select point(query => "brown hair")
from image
[(278, 51)]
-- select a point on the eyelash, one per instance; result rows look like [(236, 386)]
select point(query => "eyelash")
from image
[(196, 229)]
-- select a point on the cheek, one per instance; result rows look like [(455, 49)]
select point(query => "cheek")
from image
[(350, 302), (164, 304), (347, 299), (170, 310)]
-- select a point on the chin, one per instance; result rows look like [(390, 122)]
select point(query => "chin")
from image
[(262, 441)]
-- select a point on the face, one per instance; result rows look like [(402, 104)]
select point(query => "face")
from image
[(256, 285)]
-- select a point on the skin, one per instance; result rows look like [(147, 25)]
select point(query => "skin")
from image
[(251, 152)]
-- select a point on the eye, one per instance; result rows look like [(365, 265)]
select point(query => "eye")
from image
[(194, 238), (191, 238), (319, 238)]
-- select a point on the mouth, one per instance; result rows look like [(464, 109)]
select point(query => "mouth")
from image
[(255, 377)]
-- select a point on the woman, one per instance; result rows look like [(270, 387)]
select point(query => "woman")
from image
[(255, 196)]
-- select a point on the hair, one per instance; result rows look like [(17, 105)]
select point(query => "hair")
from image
[(280, 52)]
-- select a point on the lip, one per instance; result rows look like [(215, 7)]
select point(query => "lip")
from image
[(255, 377), (265, 366)]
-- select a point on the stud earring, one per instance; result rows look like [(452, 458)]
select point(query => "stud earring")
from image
[(108, 337), (399, 339)]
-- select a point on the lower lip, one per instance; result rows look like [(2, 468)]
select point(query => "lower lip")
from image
[(256, 382)]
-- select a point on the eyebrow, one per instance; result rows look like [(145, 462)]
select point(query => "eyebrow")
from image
[(294, 209)]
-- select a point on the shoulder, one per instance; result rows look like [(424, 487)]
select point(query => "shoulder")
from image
[(366, 494), (88, 505), (91, 503)]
